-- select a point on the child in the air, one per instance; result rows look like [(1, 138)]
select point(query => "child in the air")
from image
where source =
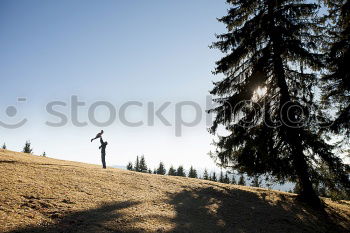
[(98, 135)]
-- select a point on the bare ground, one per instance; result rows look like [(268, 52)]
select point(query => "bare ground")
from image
[(40, 194)]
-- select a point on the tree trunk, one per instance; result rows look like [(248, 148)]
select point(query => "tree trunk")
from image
[(307, 192), (291, 134)]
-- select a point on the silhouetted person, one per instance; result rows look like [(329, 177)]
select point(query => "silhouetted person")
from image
[(103, 152), (99, 135)]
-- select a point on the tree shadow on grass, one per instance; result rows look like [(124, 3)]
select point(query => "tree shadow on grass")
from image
[(106, 218), (202, 210), (225, 210)]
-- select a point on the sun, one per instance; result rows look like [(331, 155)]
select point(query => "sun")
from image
[(259, 93)]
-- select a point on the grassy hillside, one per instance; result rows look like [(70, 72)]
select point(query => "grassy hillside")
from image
[(46, 195)]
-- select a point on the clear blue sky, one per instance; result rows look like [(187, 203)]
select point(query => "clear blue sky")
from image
[(115, 51)]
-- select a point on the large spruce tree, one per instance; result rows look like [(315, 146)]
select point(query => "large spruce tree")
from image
[(337, 80), (267, 93)]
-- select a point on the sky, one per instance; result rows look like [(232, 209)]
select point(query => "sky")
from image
[(150, 52)]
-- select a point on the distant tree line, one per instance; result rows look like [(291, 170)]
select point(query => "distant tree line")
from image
[(224, 177)]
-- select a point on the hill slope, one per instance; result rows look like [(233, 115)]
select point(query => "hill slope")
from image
[(46, 195)]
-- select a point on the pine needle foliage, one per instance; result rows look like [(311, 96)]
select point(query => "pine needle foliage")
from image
[(266, 100)]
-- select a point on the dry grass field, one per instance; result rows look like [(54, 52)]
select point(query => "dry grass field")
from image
[(40, 194)]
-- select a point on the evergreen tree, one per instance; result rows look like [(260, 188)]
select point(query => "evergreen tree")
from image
[(327, 187), (322, 191), (192, 173), (161, 169), (205, 175), (269, 186), (129, 166), (137, 164), (241, 180), (296, 189), (213, 177), (221, 177), (226, 178), (256, 182), (142, 164), (172, 171), (337, 81), (270, 68), (27, 148), (180, 171), (233, 180), (336, 89), (4, 146)]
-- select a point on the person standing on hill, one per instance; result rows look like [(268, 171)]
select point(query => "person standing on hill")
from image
[(99, 135), (103, 152)]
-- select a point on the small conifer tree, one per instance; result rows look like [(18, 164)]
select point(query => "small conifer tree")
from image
[(226, 178), (137, 164), (180, 171), (241, 180), (129, 166), (205, 175), (256, 182), (221, 177), (161, 169), (213, 177), (233, 180), (142, 164), (192, 173), (172, 171), (27, 148)]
